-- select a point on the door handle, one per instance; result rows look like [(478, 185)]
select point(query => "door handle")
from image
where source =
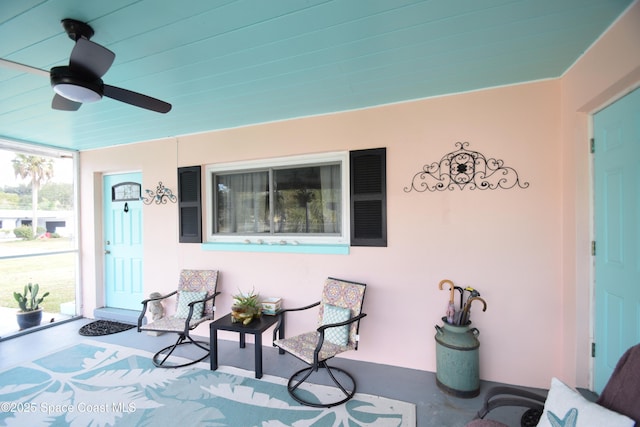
[(106, 252)]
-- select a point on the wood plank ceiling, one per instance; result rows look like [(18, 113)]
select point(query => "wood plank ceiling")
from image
[(225, 63)]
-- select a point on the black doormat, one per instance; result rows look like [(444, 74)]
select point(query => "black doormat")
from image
[(103, 327)]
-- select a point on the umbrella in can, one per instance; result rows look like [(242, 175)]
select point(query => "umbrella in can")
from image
[(451, 308)]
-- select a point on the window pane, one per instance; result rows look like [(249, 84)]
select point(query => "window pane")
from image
[(243, 203), (36, 202), (37, 231), (55, 274), (307, 200)]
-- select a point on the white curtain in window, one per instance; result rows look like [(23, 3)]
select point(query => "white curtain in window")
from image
[(331, 198), (246, 209)]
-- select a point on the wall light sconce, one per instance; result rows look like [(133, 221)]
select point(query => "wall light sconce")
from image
[(465, 168), (160, 196)]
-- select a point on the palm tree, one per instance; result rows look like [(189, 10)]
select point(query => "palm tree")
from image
[(39, 170)]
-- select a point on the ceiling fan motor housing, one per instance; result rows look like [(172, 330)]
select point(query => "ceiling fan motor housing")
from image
[(75, 87), (76, 29)]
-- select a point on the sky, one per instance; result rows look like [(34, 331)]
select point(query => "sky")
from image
[(62, 170)]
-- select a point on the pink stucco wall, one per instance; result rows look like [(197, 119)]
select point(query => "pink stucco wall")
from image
[(519, 247)]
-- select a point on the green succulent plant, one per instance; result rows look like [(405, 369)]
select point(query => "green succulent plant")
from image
[(250, 299), (29, 301), (246, 307)]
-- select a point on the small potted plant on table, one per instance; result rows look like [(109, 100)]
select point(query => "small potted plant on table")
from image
[(245, 307), (30, 313)]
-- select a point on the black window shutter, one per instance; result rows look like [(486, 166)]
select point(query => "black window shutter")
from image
[(189, 204), (368, 170)]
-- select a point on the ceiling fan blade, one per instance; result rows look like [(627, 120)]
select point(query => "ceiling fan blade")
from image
[(24, 68), (64, 104), (88, 56), (137, 99)]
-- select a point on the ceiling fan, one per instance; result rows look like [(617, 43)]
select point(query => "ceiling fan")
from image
[(81, 81)]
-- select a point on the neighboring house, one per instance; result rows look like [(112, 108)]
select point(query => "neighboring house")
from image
[(60, 222)]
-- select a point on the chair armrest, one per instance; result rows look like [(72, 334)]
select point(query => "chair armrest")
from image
[(306, 307), (191, 305), (510, 396), (346, 322), (281, 319), (212, 296), (321, 329), (159, 298), (144, 306), (205, 299)]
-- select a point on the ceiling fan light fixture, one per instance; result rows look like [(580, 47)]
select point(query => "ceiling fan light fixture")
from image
[(77, 93), (71, 86)]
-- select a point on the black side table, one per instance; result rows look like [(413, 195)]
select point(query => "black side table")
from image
[(256, 328)]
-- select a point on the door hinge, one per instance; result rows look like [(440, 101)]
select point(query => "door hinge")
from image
[(593, 248), (592, 145), (593, 349)]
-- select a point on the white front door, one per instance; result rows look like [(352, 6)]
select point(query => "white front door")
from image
[(123, 241)]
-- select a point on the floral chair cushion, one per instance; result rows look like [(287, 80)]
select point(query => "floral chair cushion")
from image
[(341, 300), (171, 324), (302, 346), (192, 283), (197, 281), (340, 293)]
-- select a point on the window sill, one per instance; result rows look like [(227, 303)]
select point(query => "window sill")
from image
[(327, 249)]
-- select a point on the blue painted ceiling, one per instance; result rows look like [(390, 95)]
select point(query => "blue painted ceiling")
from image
[(225, 63)]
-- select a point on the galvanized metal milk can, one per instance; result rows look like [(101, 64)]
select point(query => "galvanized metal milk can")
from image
[(457, 359)]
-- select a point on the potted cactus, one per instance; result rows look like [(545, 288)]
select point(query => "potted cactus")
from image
[(30, 313), (246, 307)]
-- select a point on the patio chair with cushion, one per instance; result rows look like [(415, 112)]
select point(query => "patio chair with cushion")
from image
[(617, 406), (340, 311), (196, 293)]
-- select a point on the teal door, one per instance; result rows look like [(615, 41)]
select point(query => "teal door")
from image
[(617, 230), (123, 241)]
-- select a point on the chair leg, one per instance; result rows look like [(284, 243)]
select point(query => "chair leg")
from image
[(302, 375), (167, 351)]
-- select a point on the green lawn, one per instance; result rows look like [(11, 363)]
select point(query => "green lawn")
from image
[(54, 273)]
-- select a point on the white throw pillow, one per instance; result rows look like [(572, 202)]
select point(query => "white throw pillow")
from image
[(183, 305), (566, 407)]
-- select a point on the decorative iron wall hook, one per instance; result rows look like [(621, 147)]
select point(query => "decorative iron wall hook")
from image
[(126, 207), (160, 196), (464, 168)]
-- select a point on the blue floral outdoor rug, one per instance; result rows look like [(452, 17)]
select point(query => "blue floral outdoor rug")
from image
[(98, 384)]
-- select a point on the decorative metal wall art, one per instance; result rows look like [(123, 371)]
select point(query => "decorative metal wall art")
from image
[(464, 168), (160, 196)]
